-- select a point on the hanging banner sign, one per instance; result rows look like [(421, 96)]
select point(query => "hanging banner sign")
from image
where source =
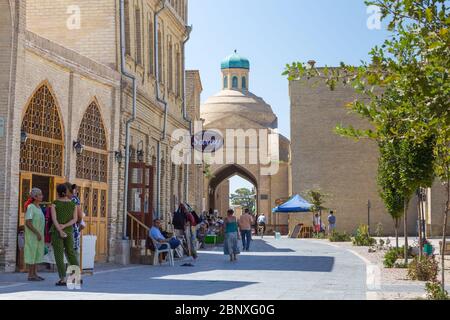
[(207, 141)]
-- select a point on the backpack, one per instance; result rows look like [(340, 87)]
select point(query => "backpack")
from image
[(179, 220), (332, 219), (48, 224), (196, 217)]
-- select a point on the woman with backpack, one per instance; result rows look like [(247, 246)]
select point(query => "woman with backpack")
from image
[(64, 216), (231, 230)]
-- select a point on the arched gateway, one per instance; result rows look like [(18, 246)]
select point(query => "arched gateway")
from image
[(242, 112), (223, 174)]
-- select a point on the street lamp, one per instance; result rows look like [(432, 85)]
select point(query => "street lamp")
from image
[(140, 152), (23, 137), (140, 155), (119, 157), (78, 147)]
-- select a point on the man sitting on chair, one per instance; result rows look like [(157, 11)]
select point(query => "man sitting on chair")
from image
[(155, 234)]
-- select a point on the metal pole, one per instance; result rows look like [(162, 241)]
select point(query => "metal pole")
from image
[(162, 101), (369, 205)]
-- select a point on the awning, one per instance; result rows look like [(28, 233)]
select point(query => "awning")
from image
[(295, 204)]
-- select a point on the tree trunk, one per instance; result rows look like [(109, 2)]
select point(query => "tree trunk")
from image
[(405, 229), (419, 223), (396, 233), (444, 234)]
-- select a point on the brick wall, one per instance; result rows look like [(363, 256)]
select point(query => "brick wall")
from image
[(341, 167), (193, 93), (7, 78), (96, 36)]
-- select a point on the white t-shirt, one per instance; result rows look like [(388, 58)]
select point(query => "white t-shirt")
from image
[(262, 219)]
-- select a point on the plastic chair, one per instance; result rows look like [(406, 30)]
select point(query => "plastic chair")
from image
[(158, 251)]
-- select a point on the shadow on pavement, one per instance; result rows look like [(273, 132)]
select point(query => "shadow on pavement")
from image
[(150, 280)]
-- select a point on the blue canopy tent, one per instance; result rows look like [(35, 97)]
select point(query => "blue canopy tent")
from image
[(295, 204)]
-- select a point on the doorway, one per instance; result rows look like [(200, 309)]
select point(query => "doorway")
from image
[(94, 199), (140, 194), (47, 184)]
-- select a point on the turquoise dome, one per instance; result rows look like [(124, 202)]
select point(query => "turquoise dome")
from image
[(235, 61)]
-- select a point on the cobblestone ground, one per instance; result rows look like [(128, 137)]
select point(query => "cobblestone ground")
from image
[(275, 269)]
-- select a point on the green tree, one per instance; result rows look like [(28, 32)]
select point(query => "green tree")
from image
[(442, 168), (317, 198), (404, 90), (388, 174), (244, 197)]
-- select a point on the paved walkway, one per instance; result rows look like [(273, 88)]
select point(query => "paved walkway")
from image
[(275, 269)]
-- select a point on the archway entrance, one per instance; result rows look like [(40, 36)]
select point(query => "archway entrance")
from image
[(41, 151), (92, 177), (222, 175)]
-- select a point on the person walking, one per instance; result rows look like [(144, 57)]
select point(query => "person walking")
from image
[(230, 228), (34, 235), (245, 225), (191, 233), (262, 222), (331, 222), (64, 216)]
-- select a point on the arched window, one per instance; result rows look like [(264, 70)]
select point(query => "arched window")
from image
[(244, 83), (225, 82), (151, 46), (138, 36), (170, 62), (127, 27), (43, 152), (235, 83), (178, 76), (92, 164), (160, 56)]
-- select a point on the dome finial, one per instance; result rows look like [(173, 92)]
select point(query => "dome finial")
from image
[(235, 61)]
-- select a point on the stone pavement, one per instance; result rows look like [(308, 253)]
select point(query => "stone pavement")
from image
[(284, 269)]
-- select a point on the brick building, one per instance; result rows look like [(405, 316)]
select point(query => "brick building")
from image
[(61, 87)]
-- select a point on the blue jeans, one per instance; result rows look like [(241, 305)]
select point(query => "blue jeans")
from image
[(246, 239), (174, 243)]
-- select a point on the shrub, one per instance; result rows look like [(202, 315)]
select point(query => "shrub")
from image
[(391, 257), (379, 230), (340, 237), (320, 235), (362, 237), (423, 269), (435, 291)]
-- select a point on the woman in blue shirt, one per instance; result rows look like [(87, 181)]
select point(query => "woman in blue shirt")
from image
[(231, 230)]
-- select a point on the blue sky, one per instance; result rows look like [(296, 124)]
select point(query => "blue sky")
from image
[(271, 33)]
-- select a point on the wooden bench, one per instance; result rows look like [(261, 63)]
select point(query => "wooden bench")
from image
[(446, 248)]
